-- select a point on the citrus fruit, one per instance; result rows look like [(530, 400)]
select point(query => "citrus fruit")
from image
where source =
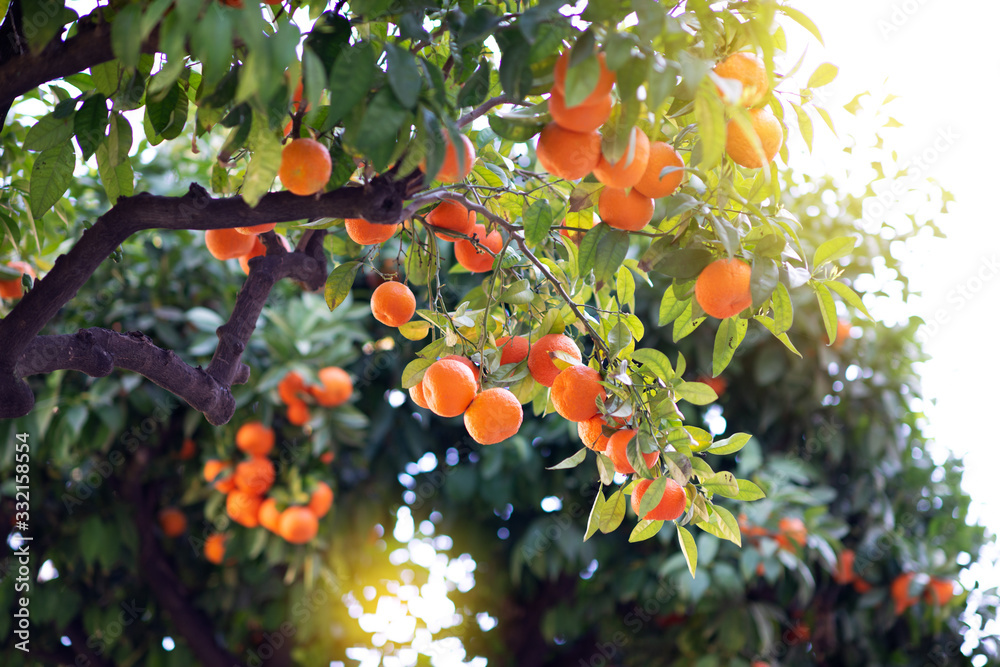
[(625, 172), (290, 387), (743, 150), (604, 82), (363, 232), (305, 166), (661, 155), (844, 574), (861, 586), (225, 484), (417, 394), (298, 525), (298, 413), (900, 592), (451, 171), (12, 289), (793, 529), (337, 387), (393, 304), (188, 450), (474, 258), (172, 521), (939, 591), (591, 432), (630, 211), (718, 384), (493, 416), (212, 469), (723, 288), (567, 154), (583, 117), (257, 229), (465, 361), (617, 450), (321, 500), (452, 216), (215, 548), (513, 349), (269, 515), (749, 70), (228, 243), (255, 439), (540, 363), (671, 504), (575, 393), (449, 387), (326, 457), (243, 507), (255, 476), (256, 250)]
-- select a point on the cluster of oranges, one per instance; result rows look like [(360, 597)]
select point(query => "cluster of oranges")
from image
[(745, 150), (240, 243), (335, 389), (13, 289), (936, 591)]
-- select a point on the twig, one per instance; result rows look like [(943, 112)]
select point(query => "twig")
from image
[(483, 108)]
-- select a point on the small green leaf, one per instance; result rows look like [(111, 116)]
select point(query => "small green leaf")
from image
[(653, 495), (802, 20), (654, 363), (805, 126), (538, 219), (645, 529), (768, 324), (339, 282), (685, 323), (351, 78), (822, 75), (748, 491), (781, 304), (828, 309), (730, 445), (688, 548), (90, 123), (594, 521), (602, 251), (670, 306), (613, 511), (476, 87), (709, 113), (849, 296), (728, 337), (695, 392), (832, 250), (404, 75), (116, 175), (723, 483), (265, 147), (518, 293), (49, 132), (414, 372), (572, 461), (378, 131), (518, 126), (51, 176), (625, 287)]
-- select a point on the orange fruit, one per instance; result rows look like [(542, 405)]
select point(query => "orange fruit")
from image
[(604, 82), (298, 413), (629, 210), (661, 155), (298, 525), (255, 476), (591, 432), (540, 363), (844, 573), (321, 500), (723, 288), (513, 349), (172, 521), (575, 393), (257, 229), (337, 387), (393, 304), (617, 450), (290, 387), (243, 507), (269, 515), (212, 469), (452, 216), (625, 173), (567, 154), (451, 171), (843, 333), (215, 548), (257, 250), (225, 484), (363, 232), (583, 117), (417, 394), (474, 258), (760, 663), (188, 450), (305, 166), (449, 387), (326, 457), (900, 592), (12, 289), (718, 384), (465, 361), (255, 439), (793, 529), (228, 243), (742, 149), (939, 591), (671, 505), (862, 586), (750, 71), (493, 416)]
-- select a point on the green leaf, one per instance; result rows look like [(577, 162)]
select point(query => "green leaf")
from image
[(476, 87), (625, 287), (126, 35), (605, 468), (339, 282), (832, 250), (167, 113), (723, 525), (633, 454), (695, 392), (828, 309), (802, 20), (581, 78), (405, 77), (723, 483), (49, 132), (515, 69), (602, 251), (538, 219), (645, 529), (670, 306), (613, 511), (709, 113), (414, 372), (379, 129), (572, 461), (51, 176), (805, 126), (728, 337), (350, 80), (783, 337), (688, 548), (116, 174), (781, 304), (42, 22), (654, 362), (685, 323), (822, 75), (748, 491), (849, 296), (653, 495), (683, 264), (90, 123), (517, 127), (594, 521), (730, 445), (265, 158)]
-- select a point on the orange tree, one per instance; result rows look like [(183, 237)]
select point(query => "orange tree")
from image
[(384, 113)]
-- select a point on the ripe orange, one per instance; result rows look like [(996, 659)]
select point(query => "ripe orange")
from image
[(493, 416), (269, 515), (843, 333), (629, 210), (844, 574), (257, 229), (337, 387), (760, 663), (290, 387), (417, 394), (939, 591), (305, 166), (749, 70), (255, 439), (567, 154), (298, 413), (449, 387), (298, 525), (393, 304), (661, 155), (188, 450), (472, 257), (617, 450), (452, 216), (862, 586), (243, 507), (717, 384), (625, 173), (172, 521), (671, 505), (215, 548), (225, 484), (575, 393), (583, 117), (321, 500), (326, 457), (604, 82), (255, 476), (451, 171), (591, 432), (228, 243), (363, 232), (723, 288), (793, 530), (212, 469), (513, 349), (900, 592), (741, 148), (257, 250), (465, 361), (540, 363), (12, 289)]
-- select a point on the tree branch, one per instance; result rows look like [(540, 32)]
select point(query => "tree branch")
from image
[(482, 108)]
